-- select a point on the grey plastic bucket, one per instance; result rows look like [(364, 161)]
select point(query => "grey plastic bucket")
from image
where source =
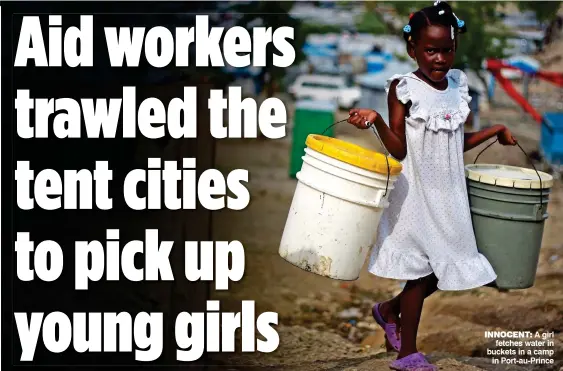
[(508, 210)]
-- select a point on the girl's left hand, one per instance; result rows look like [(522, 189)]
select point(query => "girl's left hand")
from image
[(505, 137)]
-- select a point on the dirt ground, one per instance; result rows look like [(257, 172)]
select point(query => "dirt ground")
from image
[(325, 324)]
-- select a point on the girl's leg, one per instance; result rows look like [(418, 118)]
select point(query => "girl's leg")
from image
[(411, 301), (391, 309)]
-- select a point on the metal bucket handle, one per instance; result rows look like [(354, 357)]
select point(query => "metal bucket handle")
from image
[(531, 163)]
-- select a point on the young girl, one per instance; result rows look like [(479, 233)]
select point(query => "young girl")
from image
[(426, 235)]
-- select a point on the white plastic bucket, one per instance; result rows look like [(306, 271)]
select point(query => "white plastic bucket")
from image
[(336, 209)]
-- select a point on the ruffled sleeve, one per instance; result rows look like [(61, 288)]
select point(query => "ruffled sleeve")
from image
[(460, 78), (402, 90), (405, 95)]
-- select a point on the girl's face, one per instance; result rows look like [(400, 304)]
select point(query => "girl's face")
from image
[(434, 52)]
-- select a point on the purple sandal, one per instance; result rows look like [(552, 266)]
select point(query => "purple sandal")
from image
[(413, 362), (389, 328)]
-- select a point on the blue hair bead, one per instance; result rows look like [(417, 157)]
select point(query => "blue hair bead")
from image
[(407, 28), (460, 23)]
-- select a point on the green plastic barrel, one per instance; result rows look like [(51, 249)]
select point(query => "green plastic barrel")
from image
[(509, 209), (311, 117)]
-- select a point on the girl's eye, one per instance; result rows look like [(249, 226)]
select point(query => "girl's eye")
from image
[(430, 51), (449, 50)]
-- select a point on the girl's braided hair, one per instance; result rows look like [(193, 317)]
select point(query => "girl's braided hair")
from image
[(440, 14)]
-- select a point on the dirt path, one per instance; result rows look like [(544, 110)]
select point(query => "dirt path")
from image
[(325, 324)]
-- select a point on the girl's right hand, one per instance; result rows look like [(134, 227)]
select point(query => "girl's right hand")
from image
[(360, 116)]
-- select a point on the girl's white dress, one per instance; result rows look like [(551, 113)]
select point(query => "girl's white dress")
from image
[(427, 226)]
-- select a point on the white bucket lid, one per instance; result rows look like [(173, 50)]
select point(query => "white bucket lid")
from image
[(508, 176)]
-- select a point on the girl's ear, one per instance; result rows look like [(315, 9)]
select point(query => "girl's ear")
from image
[(410, 49)]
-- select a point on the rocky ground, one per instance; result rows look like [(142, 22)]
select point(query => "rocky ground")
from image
[(326, 324)]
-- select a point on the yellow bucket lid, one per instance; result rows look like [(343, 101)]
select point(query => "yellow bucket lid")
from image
[(353, 154)]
